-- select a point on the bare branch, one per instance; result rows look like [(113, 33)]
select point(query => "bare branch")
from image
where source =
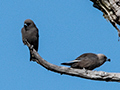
[(87, 74)]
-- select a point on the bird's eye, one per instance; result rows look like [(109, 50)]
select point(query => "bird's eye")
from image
[(28, 24), (105, 57)]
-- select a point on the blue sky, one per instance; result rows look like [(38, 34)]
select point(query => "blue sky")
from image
[(67, 29)]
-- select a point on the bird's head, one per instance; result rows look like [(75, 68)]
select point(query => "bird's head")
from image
[(103, 58), (28, 23)]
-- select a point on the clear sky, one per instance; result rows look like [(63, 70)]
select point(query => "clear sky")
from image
[(67, 29)]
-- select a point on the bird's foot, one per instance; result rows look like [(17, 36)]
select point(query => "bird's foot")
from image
[(85, 70), (25, 41)]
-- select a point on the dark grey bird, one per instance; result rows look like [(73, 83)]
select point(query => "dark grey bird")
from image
[(87, 61), (30, 33)]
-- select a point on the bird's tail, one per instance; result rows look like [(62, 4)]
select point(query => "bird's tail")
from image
[(70, 62), (67, 63)]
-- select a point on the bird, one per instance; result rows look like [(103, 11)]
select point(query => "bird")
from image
[(88, 61), (30, 33)]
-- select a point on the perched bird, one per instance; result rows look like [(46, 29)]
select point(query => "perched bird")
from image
[(88, 61), (30, 33)]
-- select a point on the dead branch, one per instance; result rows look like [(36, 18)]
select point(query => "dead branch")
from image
[(111, 11), (87, 74)]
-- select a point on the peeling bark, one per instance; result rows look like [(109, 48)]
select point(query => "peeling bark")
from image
[(111, 11), (87, 74)]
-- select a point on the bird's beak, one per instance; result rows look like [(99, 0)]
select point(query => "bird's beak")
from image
[(25, 25), (108, 60)]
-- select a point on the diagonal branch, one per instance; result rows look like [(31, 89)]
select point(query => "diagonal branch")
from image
[(87, 74)]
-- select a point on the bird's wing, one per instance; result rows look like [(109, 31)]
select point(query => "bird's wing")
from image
[(86, 56), (87, 61)]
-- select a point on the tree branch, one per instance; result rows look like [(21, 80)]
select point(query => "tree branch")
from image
[(87, 74), (111, 11)]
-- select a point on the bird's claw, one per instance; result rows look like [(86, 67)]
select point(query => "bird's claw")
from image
[(85, 70), (25, 41)]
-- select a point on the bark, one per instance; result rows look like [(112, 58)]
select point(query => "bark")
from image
[(87, 74), (111, 11)]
